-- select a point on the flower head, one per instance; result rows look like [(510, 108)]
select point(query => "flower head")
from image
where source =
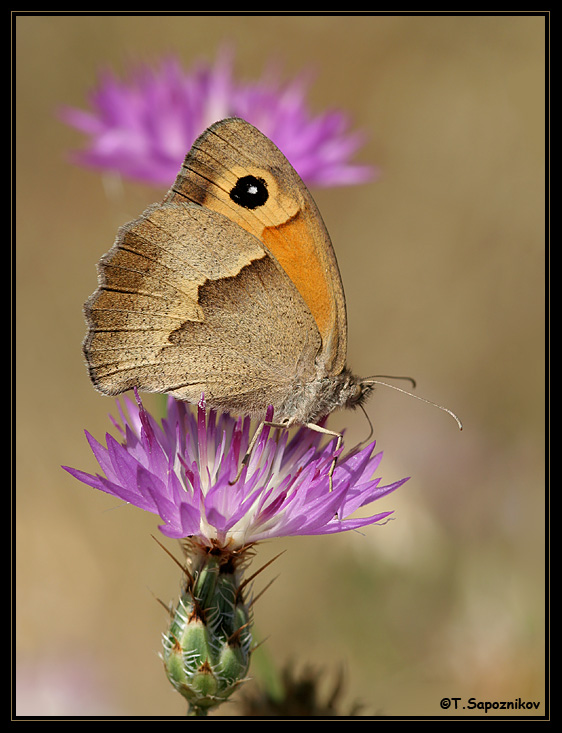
[(144, 126), (185, 470)]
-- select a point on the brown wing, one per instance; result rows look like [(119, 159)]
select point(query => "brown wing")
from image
[(189, 302), (226, 161)]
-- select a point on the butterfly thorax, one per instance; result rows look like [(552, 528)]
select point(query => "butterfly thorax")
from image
[(308, 402)]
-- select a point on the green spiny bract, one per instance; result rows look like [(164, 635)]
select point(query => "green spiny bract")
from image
[(208, 644)]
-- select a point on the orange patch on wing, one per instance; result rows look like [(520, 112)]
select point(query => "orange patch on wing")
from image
[(294, 248)]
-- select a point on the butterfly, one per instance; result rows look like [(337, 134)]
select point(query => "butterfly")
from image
[(228, 288)]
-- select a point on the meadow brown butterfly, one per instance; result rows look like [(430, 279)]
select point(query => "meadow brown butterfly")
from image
[(230, 288)]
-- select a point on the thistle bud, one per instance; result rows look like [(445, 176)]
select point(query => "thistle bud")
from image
[(207, 646)]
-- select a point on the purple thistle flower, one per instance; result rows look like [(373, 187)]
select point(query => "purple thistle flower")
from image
[(182, 470), (144, 126)]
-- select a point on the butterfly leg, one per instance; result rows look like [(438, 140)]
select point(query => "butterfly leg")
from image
[(253, 442), (339, 437), (311, 426)]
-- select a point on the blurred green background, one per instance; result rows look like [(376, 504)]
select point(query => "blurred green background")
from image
[(443, 261)]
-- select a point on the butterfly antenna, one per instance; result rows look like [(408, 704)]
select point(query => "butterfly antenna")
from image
[(391, 376), (375, 380)]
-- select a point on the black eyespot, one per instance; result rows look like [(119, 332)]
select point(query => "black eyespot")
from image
[(250, 192)]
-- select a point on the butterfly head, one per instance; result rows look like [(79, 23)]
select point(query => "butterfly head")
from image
[(354, 390)]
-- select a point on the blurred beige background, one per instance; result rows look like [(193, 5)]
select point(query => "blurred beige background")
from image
[(443, 260)]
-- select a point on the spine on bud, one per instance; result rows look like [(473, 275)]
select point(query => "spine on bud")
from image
[(207, 646)]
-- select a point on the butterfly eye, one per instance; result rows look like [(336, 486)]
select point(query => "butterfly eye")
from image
[(356, 395), (250, 192)]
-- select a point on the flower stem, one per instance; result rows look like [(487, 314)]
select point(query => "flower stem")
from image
[(196, 711)]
